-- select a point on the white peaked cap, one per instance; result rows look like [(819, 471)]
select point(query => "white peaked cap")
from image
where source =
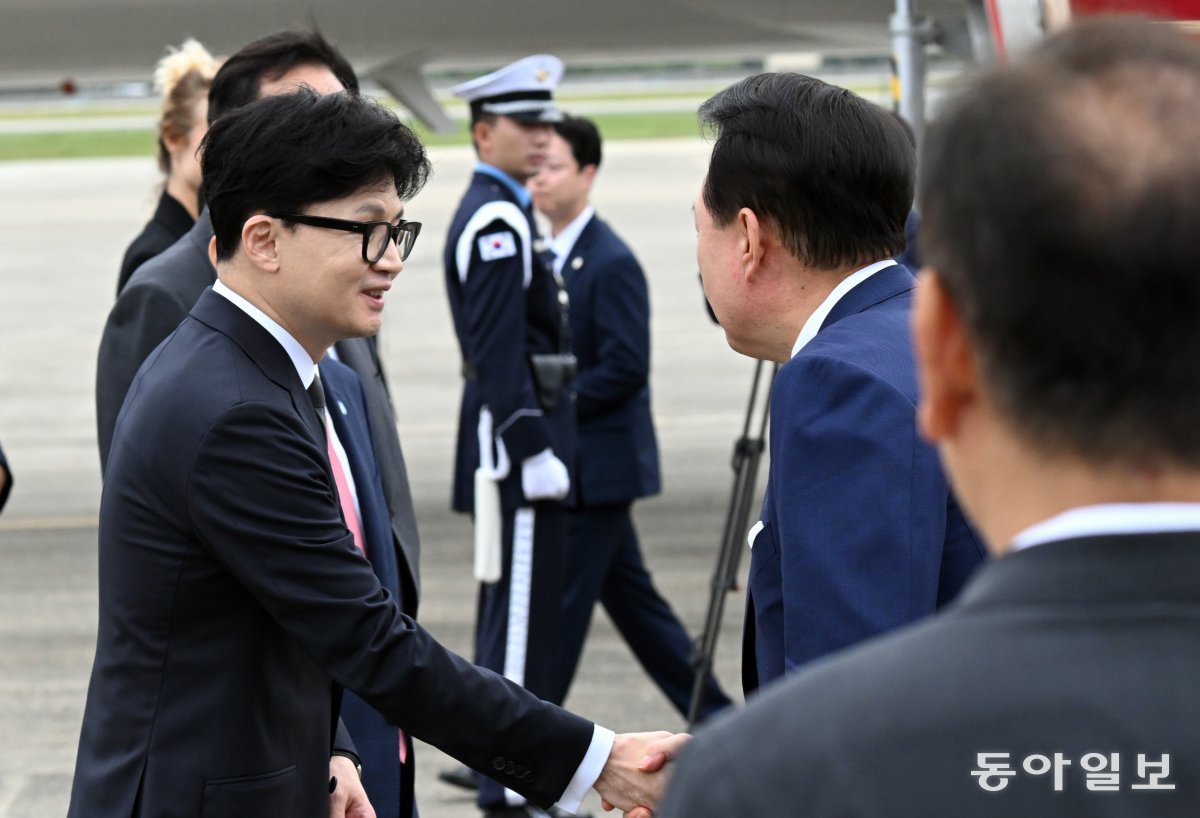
[(522, 90)]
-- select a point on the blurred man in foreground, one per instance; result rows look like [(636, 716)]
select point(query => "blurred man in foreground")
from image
[(1057, 343)]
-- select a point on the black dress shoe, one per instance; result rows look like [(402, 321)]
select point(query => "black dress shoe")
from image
[(460, 776)]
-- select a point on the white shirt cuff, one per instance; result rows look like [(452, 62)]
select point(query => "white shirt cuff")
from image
[(589, 769)]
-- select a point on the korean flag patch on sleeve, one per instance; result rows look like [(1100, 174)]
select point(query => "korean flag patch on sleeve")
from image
[(497, 245)]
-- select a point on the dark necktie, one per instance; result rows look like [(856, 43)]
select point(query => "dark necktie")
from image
[(316, 393)]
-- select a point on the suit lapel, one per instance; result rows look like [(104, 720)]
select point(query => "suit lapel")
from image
[(258, 344)]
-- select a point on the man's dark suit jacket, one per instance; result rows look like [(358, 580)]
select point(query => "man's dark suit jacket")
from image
[(617, 454), (1074, 647), (233, 604), (860, 531), (158, 297), (7, 487)]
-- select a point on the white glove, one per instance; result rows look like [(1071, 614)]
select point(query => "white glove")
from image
[(544, 477)]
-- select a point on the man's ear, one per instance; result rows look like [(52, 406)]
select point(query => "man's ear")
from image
[(946, 365), (481, 131), (753, 239), (589, 174), (260, 241)]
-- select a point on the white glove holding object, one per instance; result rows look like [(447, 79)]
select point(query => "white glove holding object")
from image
[(544, 477)]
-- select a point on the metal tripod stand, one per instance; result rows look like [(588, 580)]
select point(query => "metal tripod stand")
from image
[(747, 453)]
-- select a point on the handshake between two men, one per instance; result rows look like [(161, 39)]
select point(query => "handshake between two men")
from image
[(636, 773)]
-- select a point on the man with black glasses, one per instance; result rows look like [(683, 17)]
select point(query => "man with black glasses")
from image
[(159, 296), (235, 602)]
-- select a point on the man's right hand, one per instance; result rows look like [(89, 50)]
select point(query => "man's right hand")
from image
[(629, 780), (544, 477)]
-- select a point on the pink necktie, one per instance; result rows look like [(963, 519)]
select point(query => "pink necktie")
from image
[(343, 488)]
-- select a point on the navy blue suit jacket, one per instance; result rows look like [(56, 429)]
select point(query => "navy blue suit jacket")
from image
[(375, 738), (504, 302), (617, 459), (234, 606), (860, 531)]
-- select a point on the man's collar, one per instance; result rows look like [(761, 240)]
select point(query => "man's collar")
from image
[(564, 242), (1111, 518), (524, 197), (305, 366), (813, 325)]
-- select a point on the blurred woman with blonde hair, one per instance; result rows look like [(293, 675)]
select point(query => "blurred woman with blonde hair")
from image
[(182, 78)]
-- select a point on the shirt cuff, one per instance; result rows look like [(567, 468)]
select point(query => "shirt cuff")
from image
[(589, 769)]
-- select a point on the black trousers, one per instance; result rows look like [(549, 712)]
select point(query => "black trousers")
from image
[(604, 564)]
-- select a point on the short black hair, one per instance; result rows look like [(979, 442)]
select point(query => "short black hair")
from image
[(269, 58), (831, 171), (1061, 206), (288, 151), (583, 137)]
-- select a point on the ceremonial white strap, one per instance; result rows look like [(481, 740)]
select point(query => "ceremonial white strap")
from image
[(520, 593), (506, 212), (498, 467)]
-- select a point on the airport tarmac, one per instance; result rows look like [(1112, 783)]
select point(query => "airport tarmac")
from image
[(63, 228)]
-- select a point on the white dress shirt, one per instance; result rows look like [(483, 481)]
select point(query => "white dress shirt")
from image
[(564, 242)]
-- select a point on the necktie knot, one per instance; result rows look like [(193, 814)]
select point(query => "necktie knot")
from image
[(317, 395)]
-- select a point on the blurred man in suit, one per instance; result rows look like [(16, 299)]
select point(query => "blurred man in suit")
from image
[(159, 297), (804, 205), (1057, 343), (617, 454), (235, 602)]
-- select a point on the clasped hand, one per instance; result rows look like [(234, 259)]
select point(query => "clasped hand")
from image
[(636, 773)]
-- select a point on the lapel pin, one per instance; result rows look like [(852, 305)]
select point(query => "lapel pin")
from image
[(342, 406), (576, 263)]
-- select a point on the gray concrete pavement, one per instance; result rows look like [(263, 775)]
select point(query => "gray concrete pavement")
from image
[(63, 227)]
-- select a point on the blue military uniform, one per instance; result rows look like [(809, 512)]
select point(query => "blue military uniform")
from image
[(505, 303)]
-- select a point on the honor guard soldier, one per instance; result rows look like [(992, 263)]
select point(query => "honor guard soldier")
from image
[(517, 422)]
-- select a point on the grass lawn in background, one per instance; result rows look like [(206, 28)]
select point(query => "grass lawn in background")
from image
[(80, 144)]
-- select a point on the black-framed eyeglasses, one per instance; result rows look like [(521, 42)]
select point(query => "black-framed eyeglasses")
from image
[(376, 235)]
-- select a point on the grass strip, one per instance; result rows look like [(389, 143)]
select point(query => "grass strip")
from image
[(101, 143)]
